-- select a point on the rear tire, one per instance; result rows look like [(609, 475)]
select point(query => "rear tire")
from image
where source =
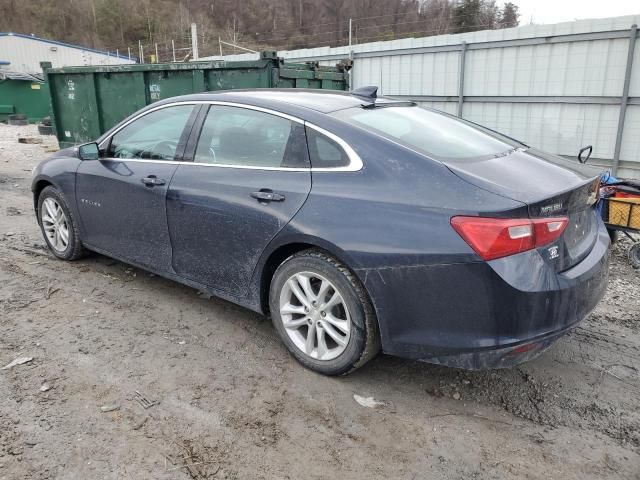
[(58, 226), (323, 314)]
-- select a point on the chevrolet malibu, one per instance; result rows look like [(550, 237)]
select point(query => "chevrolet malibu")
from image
[(358, 223)]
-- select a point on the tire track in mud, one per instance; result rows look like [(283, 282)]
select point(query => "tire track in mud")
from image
[(546, 402), (607, 342)]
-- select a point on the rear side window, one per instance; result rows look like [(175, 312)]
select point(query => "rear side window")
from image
[(154, 136), (324, 152), (251, 138)]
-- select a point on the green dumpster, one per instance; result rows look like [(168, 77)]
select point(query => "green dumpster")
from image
[(23, 93), (87, 101)]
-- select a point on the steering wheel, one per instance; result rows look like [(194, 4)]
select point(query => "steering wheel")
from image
[(124, 153), (164, 150)]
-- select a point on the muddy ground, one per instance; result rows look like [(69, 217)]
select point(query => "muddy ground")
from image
[(231, 403)]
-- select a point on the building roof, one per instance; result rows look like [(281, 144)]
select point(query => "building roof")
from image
[(69, 45)]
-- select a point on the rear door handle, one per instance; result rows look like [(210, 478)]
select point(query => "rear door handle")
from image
[(267, 196), (152, 181)]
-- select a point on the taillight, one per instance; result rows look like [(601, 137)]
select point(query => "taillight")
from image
[(548, 230), (493, 238)]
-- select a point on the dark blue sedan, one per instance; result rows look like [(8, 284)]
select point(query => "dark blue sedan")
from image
[(357, 223)]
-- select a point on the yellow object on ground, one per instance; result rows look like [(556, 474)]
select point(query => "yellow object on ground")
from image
[(625, 212)]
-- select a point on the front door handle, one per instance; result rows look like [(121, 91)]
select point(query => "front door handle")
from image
[(266, 196), (152, 181)]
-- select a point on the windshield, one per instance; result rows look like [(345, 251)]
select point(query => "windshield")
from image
[(435, 134)]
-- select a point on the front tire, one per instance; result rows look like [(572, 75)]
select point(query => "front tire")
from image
[(322, 314), (58, 225)]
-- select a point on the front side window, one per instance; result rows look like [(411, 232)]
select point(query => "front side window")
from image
[(435, 134), (154, 136), (245, 137)]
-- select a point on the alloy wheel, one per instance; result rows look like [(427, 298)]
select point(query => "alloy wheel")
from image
[(55, 224), (315, 316)]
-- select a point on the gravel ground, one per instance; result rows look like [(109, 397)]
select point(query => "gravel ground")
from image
[(229, 402)]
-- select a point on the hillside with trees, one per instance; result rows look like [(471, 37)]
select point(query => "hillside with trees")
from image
[(256, 24)]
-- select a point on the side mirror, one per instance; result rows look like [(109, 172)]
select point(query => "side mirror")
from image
[(582, 157), (89, 151)]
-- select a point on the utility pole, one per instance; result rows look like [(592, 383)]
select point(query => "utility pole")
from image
[(350, 28), (181, 17), (274, 20), (194, 41), (300, 13), (140, 51), (235, 38), (173, 49)]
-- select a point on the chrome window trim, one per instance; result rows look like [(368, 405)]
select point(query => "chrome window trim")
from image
[(160, 107), (355, 162), (221, 165)]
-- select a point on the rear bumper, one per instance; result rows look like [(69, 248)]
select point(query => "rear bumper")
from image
[(485, 314), (501, 357)]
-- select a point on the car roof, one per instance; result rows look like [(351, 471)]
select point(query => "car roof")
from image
[(306, 104), (324, 101)]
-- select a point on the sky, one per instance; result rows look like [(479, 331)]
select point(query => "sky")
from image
[(555, 11)]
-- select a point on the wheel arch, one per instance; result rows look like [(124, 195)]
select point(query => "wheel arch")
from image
[(283, 249), (38, 186)]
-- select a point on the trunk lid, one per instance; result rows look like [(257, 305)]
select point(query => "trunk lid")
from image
[(550, 186)]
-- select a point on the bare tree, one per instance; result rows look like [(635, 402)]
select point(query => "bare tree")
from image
[(258, 24)]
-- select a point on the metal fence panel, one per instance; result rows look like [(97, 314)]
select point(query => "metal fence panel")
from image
[(631, 136), (553, 127), (579, 68), (634, 88)]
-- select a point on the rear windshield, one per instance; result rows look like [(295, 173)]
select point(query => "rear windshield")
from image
[(432, 133)]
